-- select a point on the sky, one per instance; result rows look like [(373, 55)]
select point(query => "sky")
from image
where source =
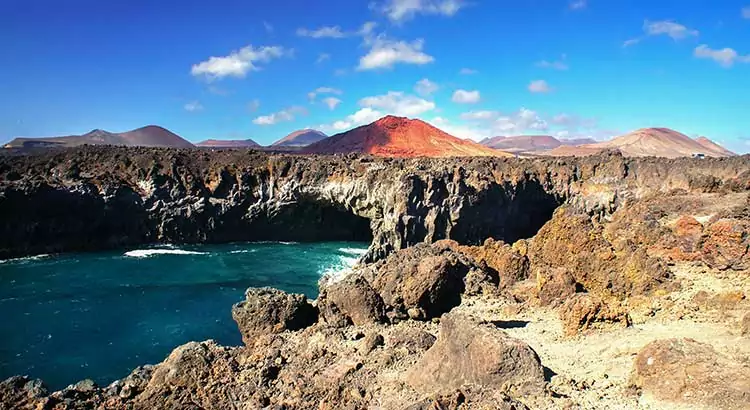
[(474, 68)]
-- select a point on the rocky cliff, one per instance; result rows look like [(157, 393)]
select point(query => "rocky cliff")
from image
[(619, 254), (98, 197)]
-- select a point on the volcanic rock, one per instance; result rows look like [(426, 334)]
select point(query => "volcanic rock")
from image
[(400, 137), (691, 373), (582, 312), (727, 244), (351, 301), (267, 310), (469, 353)]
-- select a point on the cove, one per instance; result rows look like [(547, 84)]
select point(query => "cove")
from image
[(99, 315)]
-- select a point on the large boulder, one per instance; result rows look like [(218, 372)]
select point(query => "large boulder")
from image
[(350, 301), (510, 262), (691, 373), (573, 246), (583, 311), (471, 353), (267, 310), (726, 244)]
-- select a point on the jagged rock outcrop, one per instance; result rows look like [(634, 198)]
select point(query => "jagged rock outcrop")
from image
[(107, 197), (692, 373), (582, 311), (267, 310), (421, 282)]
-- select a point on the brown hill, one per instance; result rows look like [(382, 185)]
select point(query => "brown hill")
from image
[(657, 142), (300, 138), (522, 143), (712, 146), (154, 136), (577, 141), (149, 136), (393, 136), (248, 143)]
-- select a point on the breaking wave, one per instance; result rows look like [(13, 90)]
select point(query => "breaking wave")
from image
[(145, 253)]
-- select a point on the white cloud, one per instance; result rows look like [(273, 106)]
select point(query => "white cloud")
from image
[(322, 32), (386, 53), (425, 87), (331, 102), (670, 28), (236, 64), (555, 65), (402, 10), (367, 28), (467, 71), (726, 57), (460, 131), (268, 27), (361, 117), (193, 106), (479, 115), (323, 90), (285, 115), (664, 27), (466, 97), (539, 86), (322, 57), (578, 4), (524, 120), (746, 12), (398, 103)]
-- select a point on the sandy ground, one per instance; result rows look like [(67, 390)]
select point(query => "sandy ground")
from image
[(592, 370)]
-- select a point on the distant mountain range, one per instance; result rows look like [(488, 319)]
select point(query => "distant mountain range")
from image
[(657, 142), (393, 136), (403, 137), (530, 143), (301, 138), (149, 136), (248, 143)]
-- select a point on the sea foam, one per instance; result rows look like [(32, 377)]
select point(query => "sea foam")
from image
[(145, 253), (25, 259)]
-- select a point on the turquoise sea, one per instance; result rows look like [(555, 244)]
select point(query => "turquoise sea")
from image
[(99, 315)]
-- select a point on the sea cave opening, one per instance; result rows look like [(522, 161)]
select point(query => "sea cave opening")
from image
[(505, 213)]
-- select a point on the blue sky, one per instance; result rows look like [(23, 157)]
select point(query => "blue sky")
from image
[(476, 68)]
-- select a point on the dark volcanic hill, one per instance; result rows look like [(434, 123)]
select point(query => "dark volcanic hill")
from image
[(148, 136), (300, 138), (248, 143), (400, 137)]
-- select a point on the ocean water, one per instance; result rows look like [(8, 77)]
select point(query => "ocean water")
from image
[(99, 315)]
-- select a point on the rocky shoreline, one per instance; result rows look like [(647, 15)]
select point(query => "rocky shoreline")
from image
[(598, 282)]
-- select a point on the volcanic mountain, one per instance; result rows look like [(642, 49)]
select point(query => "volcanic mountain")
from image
[(714, 147), (522, 143), (300, 138), (248, 143), (393, 136), (149, 136), (657, 142)]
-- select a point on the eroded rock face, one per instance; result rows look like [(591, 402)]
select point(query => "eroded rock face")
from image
[(689, 372), (727, 244), (107, 197), (582, 311), (421, 282), (572, 253), (267, 310), (469, 353)]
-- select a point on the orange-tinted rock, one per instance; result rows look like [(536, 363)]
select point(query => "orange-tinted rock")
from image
[(726, 244), (510, 263), (691, 373), (583, 311), (572, 245)]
